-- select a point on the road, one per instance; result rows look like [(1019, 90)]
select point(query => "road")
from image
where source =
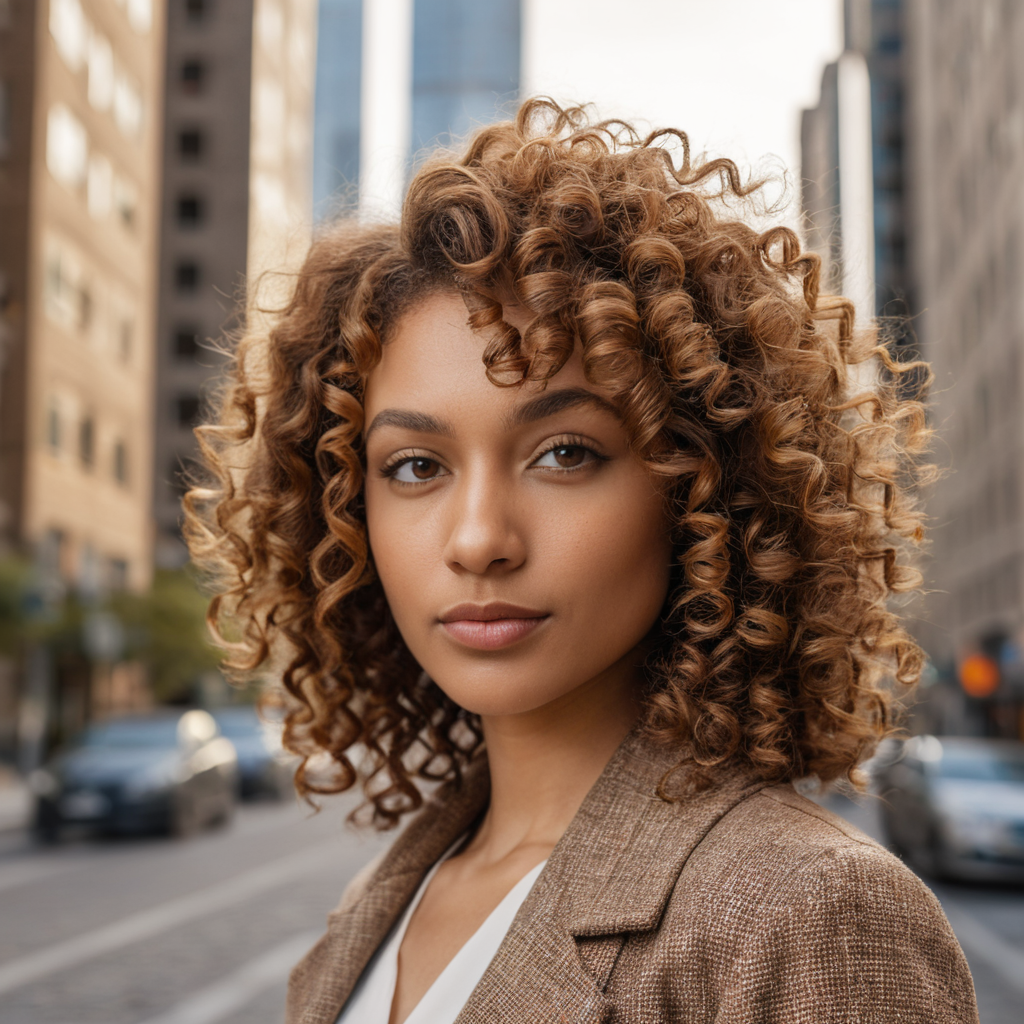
[(164, 931), (204, 931)]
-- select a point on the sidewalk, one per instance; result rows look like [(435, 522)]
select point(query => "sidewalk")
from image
[(15, 801)]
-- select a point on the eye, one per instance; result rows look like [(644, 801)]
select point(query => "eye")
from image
[(566, 456), (416, 470)]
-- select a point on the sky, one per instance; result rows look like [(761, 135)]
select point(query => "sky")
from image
[(733, 74)]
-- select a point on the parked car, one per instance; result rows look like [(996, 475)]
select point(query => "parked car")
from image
[(954, 806), (265, 768), (166, 771)]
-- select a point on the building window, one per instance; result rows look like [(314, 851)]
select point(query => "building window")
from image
[(87, 442), (140, 15), (127, 106), (120, 463), (193, 76), (67, 292), (196, 10), (186, 342), (191, 144), (126, 200), (186, 410), (67, 146), (53, 429), (191, 211), (100, 62), (186, 276), (69, 30)]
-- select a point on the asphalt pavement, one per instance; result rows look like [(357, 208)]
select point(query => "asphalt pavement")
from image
[(205, 930), (165, 931)]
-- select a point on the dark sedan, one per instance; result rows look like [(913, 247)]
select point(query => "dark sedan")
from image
[(264, 767), (165, 771), (954, 806)]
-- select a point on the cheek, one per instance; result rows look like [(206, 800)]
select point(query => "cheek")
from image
[(617, 562), (403, 555)]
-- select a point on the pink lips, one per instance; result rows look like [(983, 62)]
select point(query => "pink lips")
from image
[(489, 627)]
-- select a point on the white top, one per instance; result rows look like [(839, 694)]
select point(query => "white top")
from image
[(370, 1002)]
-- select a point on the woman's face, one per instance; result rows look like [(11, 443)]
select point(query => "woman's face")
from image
[(523, 548)]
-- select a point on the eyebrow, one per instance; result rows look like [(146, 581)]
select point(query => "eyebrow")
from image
[(551, 402), (538, 408), (420, 422)]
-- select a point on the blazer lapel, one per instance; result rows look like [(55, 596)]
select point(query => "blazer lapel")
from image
[(612, 873), (324, 980)]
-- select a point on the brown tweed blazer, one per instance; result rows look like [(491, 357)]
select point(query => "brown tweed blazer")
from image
[(745, 904)]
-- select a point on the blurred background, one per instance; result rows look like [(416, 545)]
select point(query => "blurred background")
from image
[(158, 156)]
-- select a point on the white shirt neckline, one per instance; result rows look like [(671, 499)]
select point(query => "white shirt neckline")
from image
[(370, 1001)]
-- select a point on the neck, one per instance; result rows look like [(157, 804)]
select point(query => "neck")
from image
[(544, 762)]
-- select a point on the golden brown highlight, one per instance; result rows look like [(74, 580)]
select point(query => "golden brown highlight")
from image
[(789, 477)]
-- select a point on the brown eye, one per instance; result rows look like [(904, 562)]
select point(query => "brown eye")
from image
[(413, 471), (566, 456), (570, 456)]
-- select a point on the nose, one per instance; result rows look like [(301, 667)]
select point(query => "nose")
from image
[(484, 537)]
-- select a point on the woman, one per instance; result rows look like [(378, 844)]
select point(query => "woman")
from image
[(573, 494)]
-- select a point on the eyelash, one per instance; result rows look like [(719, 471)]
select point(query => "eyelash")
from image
[(398, 460), (569, 441), (572, 441)]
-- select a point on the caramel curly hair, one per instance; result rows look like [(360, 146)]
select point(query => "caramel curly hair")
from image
[(788, 449)]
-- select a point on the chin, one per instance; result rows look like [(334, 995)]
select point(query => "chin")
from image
[(495, 696)]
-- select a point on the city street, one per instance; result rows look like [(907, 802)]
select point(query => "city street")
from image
[(161, 931)]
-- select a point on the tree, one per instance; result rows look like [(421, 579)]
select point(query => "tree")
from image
[(166, 630), (15, 575)]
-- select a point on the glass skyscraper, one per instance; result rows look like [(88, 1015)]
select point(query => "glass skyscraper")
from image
[(465, 71), (466, 59), (338, 93)]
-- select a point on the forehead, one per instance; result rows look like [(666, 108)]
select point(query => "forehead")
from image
[(434, 357)]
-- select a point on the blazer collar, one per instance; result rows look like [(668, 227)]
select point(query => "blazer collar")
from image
[(619, 860), (612, 872)]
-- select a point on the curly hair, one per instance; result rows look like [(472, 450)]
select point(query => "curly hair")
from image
[(787, 445)]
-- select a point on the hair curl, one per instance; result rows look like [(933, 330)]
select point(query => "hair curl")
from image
[(787, 449)]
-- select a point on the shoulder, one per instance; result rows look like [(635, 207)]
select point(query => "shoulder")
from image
[(777, 848), (810, 909)]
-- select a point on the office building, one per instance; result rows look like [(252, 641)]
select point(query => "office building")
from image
[(204, 229), (465, 66), (965, 89), (339, 69), (397, 78), (236, 203), (854, 137), (884, 49), (80, 130)]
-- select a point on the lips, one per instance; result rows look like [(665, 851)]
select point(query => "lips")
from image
[(490, 627)]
